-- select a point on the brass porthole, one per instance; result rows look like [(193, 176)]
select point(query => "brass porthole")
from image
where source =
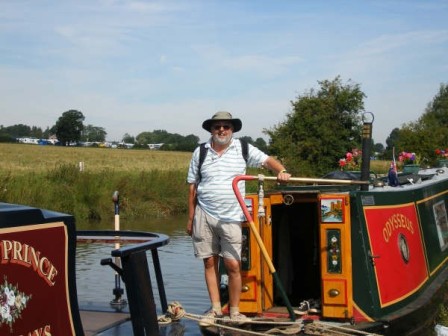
[(288, 199), (404, 247)]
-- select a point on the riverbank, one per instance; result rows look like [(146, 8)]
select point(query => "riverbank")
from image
[(82, 180)]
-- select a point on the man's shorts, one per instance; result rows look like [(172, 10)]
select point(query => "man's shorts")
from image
[(214, 237)]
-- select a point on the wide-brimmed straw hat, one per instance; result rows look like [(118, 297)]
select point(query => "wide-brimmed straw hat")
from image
[(222, 116)]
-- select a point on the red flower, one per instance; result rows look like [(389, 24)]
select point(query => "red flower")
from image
[(442, 152), (406, 157), (351, 161)]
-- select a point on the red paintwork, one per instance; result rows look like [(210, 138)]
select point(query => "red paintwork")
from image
[(395, 277), (48, 309)]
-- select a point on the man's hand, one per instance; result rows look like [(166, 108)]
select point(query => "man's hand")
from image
[(189, 227), (283, 176)]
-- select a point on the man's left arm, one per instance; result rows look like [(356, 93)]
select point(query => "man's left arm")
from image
[(277, 167)]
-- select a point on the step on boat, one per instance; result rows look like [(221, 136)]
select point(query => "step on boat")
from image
[(355, 254)]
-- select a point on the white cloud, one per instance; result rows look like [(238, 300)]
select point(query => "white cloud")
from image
[(133, 66)]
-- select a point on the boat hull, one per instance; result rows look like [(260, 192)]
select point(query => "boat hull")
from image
[(375, 259)]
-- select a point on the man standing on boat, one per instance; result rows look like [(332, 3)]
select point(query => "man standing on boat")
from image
[(215, 215)]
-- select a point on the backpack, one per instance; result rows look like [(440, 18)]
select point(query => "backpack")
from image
[(203, 153)]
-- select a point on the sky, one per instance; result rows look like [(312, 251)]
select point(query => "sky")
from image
[(140, 66)]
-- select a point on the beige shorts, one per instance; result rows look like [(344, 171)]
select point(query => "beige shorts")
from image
[(214, 237)]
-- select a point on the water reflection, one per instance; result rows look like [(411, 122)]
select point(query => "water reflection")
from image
[(182, 273)]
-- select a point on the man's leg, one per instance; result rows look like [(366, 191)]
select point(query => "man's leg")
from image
[(234, 272), (211, 279)]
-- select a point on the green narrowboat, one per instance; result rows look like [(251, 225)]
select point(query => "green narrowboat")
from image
[(362, 254)]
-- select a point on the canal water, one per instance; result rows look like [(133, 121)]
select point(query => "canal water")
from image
[(182, 272)]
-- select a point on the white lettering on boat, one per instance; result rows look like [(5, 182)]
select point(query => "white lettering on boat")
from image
[(395, 222), (45, 331), (14, 252)]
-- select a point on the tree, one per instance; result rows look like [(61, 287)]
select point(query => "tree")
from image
[(261, 144), (18, 131), (69, 126), (189, 143), (47, 133), (127, 138), (172, 142), (23, 131), (378, 148), (5, 136), (391, 143), (248, 139), (429, 132), (92, 133), (321, 128)]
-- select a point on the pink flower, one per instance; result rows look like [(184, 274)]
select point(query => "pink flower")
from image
[(351, 161), (406, 157), (442, 152)]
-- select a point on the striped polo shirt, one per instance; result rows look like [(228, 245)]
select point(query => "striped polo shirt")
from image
[(214, 192)]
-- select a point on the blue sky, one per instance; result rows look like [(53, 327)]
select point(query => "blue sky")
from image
[(135, 66)]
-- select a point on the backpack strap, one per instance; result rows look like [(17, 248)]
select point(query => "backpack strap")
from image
[(244, 149), (203, 153)]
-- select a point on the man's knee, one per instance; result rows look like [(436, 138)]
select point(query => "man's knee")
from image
[(232, 266), (209, 262)]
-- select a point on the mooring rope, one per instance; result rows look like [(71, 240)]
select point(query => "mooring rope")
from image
[(320, 326), (239, 330), (175, 312)]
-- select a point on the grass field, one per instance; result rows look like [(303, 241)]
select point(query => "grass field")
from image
[(150, 183), (22, 158)]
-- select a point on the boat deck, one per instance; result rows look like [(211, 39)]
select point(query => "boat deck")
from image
[(101, 320), (95, 322)]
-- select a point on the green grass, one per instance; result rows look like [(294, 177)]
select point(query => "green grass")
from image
[(150, 183)]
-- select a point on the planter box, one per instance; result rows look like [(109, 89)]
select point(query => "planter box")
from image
[(442, 163), (411, 168)]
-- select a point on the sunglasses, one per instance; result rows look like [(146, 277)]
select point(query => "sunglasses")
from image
[(218, 127)]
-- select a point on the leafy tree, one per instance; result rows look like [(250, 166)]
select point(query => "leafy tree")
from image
[(93, 134), (189, 143), (22, 131), (157, 136), (378, 148), (391, 143), (4, 135), (127, 138), (69, 126), (429, 132), (321, 128), (46, 134), (248, 139), (261, 144), (18, 131), (173, 142)]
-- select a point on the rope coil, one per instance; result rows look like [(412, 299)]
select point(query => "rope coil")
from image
[(174, 313)]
